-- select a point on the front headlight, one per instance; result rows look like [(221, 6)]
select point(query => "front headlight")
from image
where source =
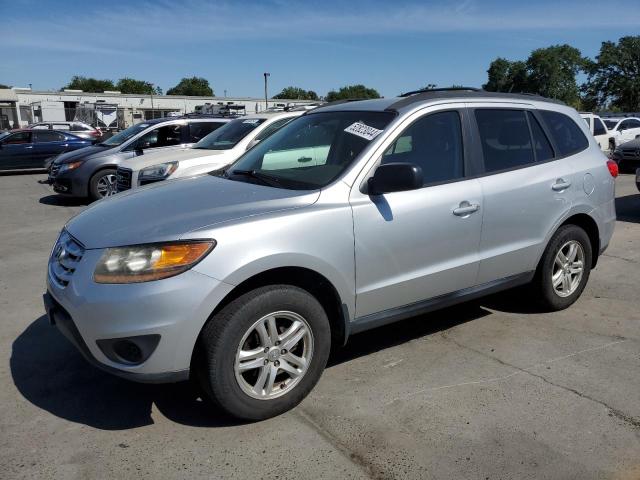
[(157, 172), (70, 166), (144, 263)]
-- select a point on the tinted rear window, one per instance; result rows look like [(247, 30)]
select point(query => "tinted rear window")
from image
[(567, 136), (506, 142)]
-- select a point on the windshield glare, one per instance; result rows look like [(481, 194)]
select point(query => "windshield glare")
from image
[(228, 136), (311, 151), (123, 136)]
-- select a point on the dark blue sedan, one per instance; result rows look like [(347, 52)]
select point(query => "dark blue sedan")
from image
[(28, 149)]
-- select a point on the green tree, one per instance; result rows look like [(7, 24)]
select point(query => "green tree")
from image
[(552, 72), (506, 76), (352, 92), (193, 86), (614, 77), (2, 85), (91, 85), (130, 85), (296, 93)]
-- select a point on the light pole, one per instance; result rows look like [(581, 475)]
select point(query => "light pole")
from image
[(266, 101)]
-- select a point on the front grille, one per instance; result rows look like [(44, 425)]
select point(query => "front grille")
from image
[(65, 257), (123, 179)]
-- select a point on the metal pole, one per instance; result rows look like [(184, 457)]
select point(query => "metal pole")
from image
[(266, 98)]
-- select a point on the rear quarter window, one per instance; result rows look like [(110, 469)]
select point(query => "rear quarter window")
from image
[(567, 136)]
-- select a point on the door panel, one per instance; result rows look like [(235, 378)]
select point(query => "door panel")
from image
[(411, 247), (520, 208), (16, 151)]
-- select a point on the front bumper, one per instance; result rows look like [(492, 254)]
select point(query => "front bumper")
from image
[(69, 183), (175, 309)]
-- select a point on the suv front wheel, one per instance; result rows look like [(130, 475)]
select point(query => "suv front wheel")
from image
[(564, 269), (264, 352)]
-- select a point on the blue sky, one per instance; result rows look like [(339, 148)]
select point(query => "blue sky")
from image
[(392, 46)]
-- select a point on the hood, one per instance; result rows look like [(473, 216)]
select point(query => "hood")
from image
[(149, 159), (166, 211), (83, 154)]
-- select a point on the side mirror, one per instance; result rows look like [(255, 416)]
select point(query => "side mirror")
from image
[(395, 177), (138, 150)]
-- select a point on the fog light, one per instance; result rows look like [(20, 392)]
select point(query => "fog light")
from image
[(128, 351)]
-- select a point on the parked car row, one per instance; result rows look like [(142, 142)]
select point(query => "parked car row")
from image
[(347, 217)]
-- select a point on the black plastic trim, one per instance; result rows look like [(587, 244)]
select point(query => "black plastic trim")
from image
[(396, 314), (59, 317)]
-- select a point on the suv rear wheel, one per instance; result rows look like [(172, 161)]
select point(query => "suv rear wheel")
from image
[(264, 352), (564, 269)]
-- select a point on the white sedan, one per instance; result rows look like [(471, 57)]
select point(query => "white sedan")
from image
[(217, 150)]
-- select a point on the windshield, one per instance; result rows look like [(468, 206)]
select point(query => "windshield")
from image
[(311, 151), (611, 124), (123, 136), (228, 136)]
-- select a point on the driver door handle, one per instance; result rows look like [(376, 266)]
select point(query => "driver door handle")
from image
[(305, 159), (560, 185), (465, 209)]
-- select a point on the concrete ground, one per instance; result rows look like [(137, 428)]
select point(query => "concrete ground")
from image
[(485, 390)]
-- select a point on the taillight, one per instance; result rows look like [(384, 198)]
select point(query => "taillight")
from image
[(613, 168)]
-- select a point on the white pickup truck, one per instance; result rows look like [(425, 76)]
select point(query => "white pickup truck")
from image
[(607, 139)]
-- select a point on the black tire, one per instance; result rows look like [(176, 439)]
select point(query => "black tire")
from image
[(547, 296), (94, 193), (223, 333)]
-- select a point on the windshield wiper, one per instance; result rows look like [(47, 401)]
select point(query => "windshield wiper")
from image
[(263, 177)]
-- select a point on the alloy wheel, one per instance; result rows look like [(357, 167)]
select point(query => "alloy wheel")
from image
[(106, 185), (273, 355), (568, 268)]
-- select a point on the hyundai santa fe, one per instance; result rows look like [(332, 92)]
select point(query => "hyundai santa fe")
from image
[(244, 280)]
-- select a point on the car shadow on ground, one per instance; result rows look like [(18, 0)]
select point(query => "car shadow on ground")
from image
[(62, 201), (51, 374), (628, 208)]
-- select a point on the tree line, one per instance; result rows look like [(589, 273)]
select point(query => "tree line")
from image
[(611, 80)]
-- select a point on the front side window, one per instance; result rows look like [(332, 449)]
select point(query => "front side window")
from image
[(311, 151), (633, 123), (227, 137), (434, 143), (565, 132), (46, 136), (199, 130), (18, 138), (166, 136), (505, 138), (598, 127)]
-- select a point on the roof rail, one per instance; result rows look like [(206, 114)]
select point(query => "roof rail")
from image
[(448, 89)]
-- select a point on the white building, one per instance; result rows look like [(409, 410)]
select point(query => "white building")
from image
[(21, 106)]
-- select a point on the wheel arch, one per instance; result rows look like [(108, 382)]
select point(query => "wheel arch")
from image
[(305, 278)]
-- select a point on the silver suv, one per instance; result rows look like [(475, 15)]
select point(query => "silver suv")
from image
[(352, 216)]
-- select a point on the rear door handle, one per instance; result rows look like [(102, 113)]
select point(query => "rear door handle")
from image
[(465, 209), (305, 159), (28, 147), (560, 185)]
